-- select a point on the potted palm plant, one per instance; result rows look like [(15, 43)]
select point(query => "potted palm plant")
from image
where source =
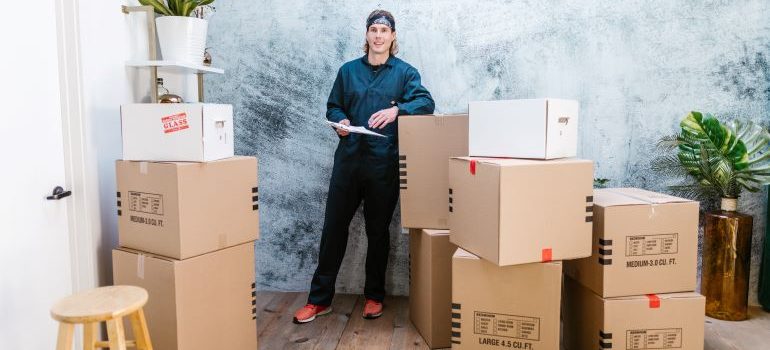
[(719, 161), (182, 36)]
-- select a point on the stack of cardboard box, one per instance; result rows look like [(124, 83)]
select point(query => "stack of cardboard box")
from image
[(511, 218), (426, 142), (636, 289), (188, 216), (518, 205)]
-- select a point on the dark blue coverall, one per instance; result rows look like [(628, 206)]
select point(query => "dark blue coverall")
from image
[(365, 168)]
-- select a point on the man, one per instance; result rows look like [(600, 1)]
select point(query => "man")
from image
[(370, 91)]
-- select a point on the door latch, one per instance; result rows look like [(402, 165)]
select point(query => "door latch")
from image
[(58, 193)]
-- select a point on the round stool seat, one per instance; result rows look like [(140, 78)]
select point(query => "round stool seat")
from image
[(100, 304)]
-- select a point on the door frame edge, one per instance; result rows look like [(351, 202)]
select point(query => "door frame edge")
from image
[(81, 176)]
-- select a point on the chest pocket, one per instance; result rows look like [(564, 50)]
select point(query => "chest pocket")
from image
[(384, 98), (350, 99)]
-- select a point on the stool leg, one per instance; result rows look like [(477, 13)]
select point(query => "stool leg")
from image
[(66, 332), (141, 334), (115, 334), (90, 332)]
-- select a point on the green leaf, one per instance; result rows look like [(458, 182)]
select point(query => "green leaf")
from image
[(173, 6), (757, 145), (187, 7), (712, 152), (158, 5)]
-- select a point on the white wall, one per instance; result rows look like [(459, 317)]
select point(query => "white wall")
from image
[(108, 38), (92, 51)]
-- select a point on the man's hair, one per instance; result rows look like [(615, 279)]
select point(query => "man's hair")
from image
[(389, 16)]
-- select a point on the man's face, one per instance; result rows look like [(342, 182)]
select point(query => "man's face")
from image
[(380, 37)]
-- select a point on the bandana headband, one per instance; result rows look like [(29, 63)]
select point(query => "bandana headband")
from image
[(382, 19)]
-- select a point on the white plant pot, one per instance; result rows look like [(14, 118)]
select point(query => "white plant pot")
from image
[(182, 38)]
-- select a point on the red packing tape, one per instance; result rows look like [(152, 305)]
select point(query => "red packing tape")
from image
[(473, 167), (654, 301), (546, 254)]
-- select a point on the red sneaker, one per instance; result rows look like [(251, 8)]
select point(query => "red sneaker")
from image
[(372, 309), (309, 312)]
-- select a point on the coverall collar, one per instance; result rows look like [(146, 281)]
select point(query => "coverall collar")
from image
[(388, 63)]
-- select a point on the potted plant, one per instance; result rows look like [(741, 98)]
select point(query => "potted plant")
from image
[(764, 267), (720, 160), (182, 37), (601, 182)]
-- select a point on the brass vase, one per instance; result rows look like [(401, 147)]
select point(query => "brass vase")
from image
[(726, 259)]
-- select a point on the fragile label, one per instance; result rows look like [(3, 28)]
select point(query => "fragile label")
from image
[(643, 339), (149, 203), (652, 244), (175, 122), (510, 326)]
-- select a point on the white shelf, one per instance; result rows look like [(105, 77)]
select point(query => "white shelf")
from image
[(181, 67)]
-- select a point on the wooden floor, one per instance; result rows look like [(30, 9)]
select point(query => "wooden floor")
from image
[(752, 334), (345, 329)]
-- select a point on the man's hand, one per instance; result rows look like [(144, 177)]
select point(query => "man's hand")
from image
[(383, 117), (343, 132)]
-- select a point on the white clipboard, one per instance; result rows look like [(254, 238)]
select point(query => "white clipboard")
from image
[(354, 129)]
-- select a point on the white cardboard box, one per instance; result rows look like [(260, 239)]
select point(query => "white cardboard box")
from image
[(543, 128), (194, 132)]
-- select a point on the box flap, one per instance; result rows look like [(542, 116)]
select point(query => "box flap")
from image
[(608, 197), (665, 296), (432, 232), (506, 162), (150, 255), (461, 253), (198, 164), (464, 254), (428, 116), (229, 159)]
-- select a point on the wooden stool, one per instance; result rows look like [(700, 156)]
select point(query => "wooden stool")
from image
[(105, 304)]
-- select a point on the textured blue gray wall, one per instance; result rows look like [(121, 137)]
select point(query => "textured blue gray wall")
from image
[(636, 67)]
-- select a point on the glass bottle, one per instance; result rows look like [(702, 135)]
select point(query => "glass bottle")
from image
[(206, 57), (164, 96), (726, 261), (161, 89)]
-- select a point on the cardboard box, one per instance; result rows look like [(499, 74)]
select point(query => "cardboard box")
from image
[(643, 242), (533, 128), (425, 143), (195, 132), (201, 303), (662, 321), (182, 210), (517, 211), (430, 285), (508, 307)]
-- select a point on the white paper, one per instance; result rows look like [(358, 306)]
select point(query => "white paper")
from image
[(355, 129)]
